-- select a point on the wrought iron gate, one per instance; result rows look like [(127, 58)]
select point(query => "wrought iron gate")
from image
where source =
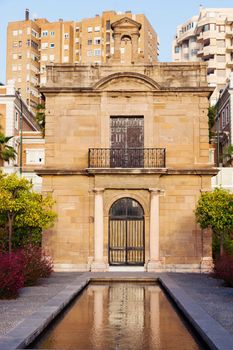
[(126, 233)]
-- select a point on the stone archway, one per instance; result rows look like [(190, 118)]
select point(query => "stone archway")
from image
[(126, 233)]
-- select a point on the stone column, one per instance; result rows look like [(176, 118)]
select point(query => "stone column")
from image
[(134, 55), (154, 263), (98, 264), (117, 47)]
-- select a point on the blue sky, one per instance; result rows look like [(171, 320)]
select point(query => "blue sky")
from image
[(164, 15)]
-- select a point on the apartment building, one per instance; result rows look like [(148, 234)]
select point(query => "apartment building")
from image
[(33, 44), (208, 37), (25, 129)]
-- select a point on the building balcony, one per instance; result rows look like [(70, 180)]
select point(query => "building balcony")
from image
[(229, 64), (229, 48), (229, 33), (127, 158)]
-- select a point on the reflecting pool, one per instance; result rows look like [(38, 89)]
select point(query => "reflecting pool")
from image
[(118, 316)]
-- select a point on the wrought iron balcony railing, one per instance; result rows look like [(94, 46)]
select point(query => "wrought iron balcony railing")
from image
[(127, 158)]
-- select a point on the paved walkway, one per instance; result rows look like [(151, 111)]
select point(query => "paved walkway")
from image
[(206, 291)]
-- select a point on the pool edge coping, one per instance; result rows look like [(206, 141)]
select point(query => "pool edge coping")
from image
[(210, 330)]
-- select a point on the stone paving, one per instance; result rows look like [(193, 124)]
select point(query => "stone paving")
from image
[(12, 312)]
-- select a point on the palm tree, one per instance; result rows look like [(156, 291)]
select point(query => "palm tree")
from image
[(6, 152)]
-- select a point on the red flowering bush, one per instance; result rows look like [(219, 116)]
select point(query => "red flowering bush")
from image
[(11, 275), (35, 264), (224, 269)]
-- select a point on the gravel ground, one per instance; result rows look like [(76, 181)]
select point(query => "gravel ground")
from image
[(210, 294), (13, 312)]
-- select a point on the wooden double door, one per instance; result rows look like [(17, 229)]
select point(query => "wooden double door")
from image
[(127, 142)]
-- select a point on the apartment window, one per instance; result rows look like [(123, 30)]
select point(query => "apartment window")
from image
[(194, 52), (206, 28), (77, 40), (16, 119), (77, 29), (231, 56), (193, 39), (19, 67), (52, 45), (177, 49), (108, 25), (66, 47), (20, 32), (43, 80), (14, 56), (20, 56), (35, 34), (108, 37), (220, 43), (44, 33), (221, 58), (19, 80), (66, 59), (44, 45), (34, 156), (28, 30), (14, 68), (97, 29), (227, 115), (52, 33), (108, 49), (97, 41), (28, 42), (15, 32), (89, 53), (28, 66), (97, 52), (44, 57), (34, 45), (66, 36), (89, 42), (20, 43), (89, 29), (223, 120), (51, 57), (15, 43), (28, 77)]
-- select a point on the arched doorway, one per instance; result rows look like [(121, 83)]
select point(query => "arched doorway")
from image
[(126, 233)]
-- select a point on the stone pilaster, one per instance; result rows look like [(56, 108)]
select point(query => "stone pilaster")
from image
[(98, 263), (154, 263)]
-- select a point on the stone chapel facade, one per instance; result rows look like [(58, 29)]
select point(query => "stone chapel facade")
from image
[(127, 157)]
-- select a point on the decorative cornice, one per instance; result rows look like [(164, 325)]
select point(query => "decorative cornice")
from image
[(121, 171)]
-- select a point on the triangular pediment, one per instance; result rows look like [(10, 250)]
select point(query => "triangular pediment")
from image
[(126, 22)]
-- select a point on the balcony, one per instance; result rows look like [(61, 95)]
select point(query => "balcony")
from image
[(127, 158)]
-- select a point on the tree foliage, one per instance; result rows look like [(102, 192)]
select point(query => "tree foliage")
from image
[(40, 117), (20, 207), (215, 210)]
